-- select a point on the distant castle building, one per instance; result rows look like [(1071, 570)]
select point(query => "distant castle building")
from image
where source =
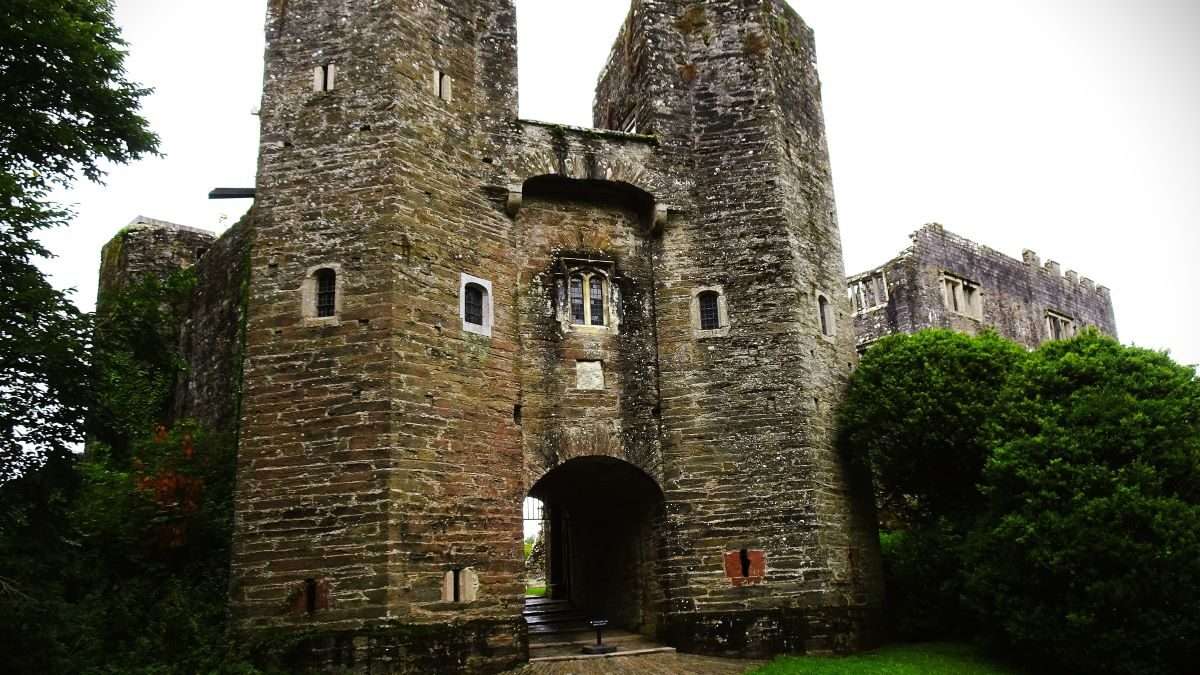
[(946, 281), (435, 309)]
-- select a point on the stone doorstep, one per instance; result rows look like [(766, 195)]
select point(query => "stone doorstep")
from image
[(587, 640), (586, 657)]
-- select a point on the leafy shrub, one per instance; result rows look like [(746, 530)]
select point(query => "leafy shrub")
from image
[(1089, 552), (915, 410), (118, 562)]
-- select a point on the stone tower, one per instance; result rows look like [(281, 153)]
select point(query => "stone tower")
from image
[(730, 90), (378, 453), (451, 309)]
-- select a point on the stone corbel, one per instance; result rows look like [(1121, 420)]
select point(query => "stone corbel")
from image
[(661, 215), (515, 197)]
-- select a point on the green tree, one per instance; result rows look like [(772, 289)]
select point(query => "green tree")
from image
[(44, 346), (67, 109), (1089, 551), (119, 562), (915, 411)]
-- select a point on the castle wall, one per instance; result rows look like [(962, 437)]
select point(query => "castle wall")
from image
[(847, 544), (564, 415), (210, 335), (148, 247), (1015, 295), (210, 340)]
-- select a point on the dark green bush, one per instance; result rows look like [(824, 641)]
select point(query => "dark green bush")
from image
[(915, 410), (1088, 555), (922, 571)]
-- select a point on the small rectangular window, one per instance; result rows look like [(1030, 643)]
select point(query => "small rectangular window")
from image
[(442, 85), (825, 314), (473, 309), (475, 305), (324, 77), (710, 315), (460, 585), (326, 292)]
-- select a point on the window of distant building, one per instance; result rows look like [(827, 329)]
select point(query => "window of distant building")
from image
[(1059, 326), (869, 292), (961, 296)]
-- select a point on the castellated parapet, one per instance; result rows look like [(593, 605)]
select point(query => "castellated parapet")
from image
[(448, 309), (946, 281)]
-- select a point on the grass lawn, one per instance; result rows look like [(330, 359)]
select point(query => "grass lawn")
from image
[(920, 659), (535, 591)]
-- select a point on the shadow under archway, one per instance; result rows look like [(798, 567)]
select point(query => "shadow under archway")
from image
[(603, 526)]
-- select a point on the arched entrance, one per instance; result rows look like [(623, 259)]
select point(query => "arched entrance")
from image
[(602, 533)]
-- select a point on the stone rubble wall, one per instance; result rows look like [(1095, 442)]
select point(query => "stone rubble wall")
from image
[(148, 247), (210, 340), (379, 452)]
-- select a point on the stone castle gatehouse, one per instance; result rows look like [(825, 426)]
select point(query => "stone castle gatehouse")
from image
[(435, 309)]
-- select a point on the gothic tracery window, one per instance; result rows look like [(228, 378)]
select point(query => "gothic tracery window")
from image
[(577, 309), (585, 298)]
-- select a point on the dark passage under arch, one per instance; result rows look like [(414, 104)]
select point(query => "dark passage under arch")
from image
[(603, 520)]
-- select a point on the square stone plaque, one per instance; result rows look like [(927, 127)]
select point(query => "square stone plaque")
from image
[(589, 375)]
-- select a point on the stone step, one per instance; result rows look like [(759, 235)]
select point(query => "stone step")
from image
[(580, 638), (586, 657), (559, 628), (544, 620), (547, 611), (542, 603)]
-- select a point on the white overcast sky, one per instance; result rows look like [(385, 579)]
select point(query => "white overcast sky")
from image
[(1065, 126)]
